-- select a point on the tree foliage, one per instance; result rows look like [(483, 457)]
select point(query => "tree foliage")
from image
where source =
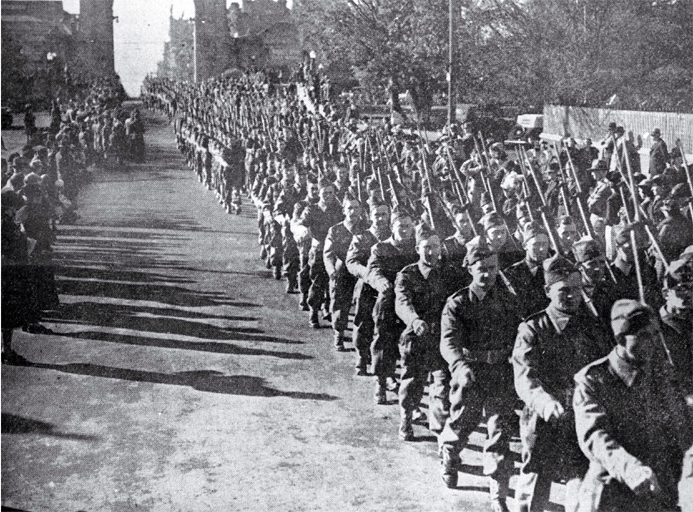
[(635, 54)]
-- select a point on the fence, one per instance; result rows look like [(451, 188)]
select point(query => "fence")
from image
[(581, 123)]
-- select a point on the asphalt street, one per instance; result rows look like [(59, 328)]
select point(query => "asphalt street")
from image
[(183, 378)]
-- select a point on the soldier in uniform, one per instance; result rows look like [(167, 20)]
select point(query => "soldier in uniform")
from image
[(454, 248), (386, 260), (356, 262), (478, 327), (551, 346), (291, 194), (342, 283), (527, 276), (590, 259), (319, 218), (420, 293), (631, 420), (676, 316), (312, 198)]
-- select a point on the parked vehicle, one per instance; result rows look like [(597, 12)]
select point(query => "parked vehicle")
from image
[(528, 127)]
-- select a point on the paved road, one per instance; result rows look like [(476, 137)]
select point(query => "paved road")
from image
[(184, 379)]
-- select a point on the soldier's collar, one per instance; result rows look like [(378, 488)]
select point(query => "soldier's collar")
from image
[(622, 368)]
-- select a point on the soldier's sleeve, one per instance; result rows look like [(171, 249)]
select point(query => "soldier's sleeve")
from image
[(450, 344), (374, 270), (524, 359), (594, 428), (357, 257), (404, 290), (328, 255)]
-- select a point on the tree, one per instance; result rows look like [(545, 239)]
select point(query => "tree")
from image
[(16, 83), (399, 45)]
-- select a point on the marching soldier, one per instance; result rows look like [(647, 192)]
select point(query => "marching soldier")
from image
[(454, 248), (356, 261), (676, 317), (551, 346), (319, 218), (477, 331), (386, 260), (527, 276), (420, 293), (631, 420), (342, 283)]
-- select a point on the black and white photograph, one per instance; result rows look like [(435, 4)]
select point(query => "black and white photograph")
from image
[(347, 255)]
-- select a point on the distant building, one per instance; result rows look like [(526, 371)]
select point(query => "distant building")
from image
[(41, 29), (261, 33)]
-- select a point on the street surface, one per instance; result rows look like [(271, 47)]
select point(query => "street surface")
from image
[(183, 378)]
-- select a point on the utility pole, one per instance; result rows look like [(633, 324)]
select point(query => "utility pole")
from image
[(452, 43)]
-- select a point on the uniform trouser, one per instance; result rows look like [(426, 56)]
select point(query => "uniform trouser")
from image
[(492, 394), (550, 452), (388, 327), (260, 226), (363, 322), (421, 364), (341, 293), (304, 275), (290, 262), (319, 283), (276, 247)]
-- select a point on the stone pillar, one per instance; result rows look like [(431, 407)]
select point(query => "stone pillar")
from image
[(212, 39), (96, 36)]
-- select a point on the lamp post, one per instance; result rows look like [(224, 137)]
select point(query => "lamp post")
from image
[(452, 104)]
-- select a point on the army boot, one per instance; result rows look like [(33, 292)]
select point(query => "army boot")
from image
[(314, 321), (406, 431), (499, 485), (380, 395), (339, 341), (451, 462)]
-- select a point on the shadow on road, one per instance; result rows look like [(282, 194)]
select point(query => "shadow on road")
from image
[(209, 381), (200, 346), (12, 424)]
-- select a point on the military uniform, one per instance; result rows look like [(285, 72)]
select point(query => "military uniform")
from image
[(549, 349), (356, 261), (319, 218), (454, 251), (477, 333), (420, 294), (527, 279), (626, 418), (342, 283), (386, 260)]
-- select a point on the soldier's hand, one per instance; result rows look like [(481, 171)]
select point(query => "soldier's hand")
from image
[(420, 327), (646, 482), (553, 411)]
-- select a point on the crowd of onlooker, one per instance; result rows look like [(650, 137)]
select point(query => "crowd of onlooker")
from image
[(40, 186)]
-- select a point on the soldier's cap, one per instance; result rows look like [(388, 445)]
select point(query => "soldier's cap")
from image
[(612, 125), (423, 232), (657, 131), (620, 129), (477, 250), (628, 316), (558, 268), (491, 220), (599, 165), (586, 249), (679, 272), (532, 230)]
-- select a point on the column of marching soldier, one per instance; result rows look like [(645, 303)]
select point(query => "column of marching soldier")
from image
[(563, 277)]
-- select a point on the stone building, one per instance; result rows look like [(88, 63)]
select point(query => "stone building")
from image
[(41, 30), (261, 33)]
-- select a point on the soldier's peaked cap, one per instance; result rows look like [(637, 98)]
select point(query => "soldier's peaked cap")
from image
[(477, 250), (558, 268), (629, 316)]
